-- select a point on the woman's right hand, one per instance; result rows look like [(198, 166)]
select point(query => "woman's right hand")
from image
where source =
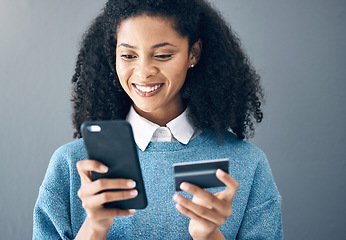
[(93, 195)]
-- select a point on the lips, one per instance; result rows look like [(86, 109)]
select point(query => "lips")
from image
[(147, 90)]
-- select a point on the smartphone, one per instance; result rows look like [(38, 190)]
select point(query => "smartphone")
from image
[(200, 173), (112, 143)]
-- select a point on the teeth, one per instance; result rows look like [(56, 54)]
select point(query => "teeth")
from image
[(148, 89)]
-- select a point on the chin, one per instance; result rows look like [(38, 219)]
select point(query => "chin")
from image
[(145, 108)]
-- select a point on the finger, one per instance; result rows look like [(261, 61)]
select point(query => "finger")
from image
[(198, 212), (85, 167), (103, 184), (203, 227), (231, 184), (116, 183), (221, 202), (204, 197), (110, 196), (192, 215)]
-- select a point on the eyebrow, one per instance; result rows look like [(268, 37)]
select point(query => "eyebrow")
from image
[(153, 47), (162, 45), (126, 45)]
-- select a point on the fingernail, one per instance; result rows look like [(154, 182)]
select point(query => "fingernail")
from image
[(104, 168), (184, 186), (176, 197), (132, 211), (131, 184), (133, 193), (178, 206), (220, 172)]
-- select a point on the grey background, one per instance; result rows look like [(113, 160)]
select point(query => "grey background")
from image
[(297, 46)]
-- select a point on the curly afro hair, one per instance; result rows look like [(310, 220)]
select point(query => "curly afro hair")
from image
[(222, 91)]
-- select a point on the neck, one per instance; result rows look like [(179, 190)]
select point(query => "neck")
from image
[(161, 117)]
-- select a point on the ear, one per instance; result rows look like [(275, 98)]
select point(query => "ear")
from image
[(195, 53)]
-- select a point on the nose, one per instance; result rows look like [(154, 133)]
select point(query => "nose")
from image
[(145, 68)]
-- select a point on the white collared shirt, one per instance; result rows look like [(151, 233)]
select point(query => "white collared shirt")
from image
[(144, 131)]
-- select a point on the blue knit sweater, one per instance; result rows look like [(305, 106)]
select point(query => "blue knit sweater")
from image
[(58, 212)]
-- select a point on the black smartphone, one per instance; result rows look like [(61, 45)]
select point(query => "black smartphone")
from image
[(112, 143), (200, 173)]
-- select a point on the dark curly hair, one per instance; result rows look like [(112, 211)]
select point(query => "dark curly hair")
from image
[(222, 91)]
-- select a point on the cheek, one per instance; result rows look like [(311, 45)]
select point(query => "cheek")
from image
[(123, 72), (124, 83), (178, 73)]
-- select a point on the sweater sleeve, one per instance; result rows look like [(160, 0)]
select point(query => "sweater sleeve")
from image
[(52, 209), (262, 218)]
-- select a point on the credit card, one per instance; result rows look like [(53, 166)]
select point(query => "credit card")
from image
[(200, 173)]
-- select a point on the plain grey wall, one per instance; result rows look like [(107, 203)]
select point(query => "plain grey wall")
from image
[(298, 47)]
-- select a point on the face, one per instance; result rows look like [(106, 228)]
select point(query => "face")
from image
[(152, 60)]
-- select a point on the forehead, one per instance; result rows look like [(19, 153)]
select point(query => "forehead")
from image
[(145, 28)]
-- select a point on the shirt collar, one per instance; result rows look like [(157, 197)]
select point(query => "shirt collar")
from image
[(143, 129)]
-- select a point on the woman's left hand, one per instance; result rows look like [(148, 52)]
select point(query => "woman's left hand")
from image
[(207, 211)]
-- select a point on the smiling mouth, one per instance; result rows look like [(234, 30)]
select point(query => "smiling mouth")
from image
[(147, 90)]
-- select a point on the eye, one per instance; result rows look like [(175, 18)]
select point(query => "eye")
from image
[(164, 56), (127, 57)]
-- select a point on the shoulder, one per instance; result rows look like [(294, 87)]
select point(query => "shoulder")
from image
[(65, 158), (242, 146), (245, 159), (73, 151), (241, 150), (62, 167), (250, 167)]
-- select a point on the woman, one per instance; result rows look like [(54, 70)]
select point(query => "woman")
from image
[(176, 72)]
